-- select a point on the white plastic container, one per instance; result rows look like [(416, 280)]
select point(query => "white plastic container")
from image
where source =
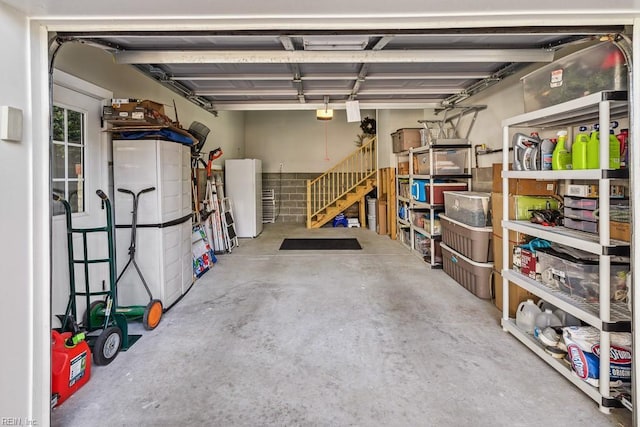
[(468, 207), (526, 316), (544, 320), (566, 319)]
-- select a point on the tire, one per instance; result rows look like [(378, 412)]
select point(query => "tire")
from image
[(93, 307), (107, 346), (152, 315)]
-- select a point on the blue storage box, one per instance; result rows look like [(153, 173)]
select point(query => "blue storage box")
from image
[(418, 190)]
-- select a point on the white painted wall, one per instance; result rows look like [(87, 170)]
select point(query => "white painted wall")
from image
[(20, 375), (332, 13), (297, 139), (97, 66)]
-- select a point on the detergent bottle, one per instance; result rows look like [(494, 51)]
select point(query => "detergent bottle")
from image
[(546, 153), (579, 149), (561, 157), (593, 150), (623, 137)]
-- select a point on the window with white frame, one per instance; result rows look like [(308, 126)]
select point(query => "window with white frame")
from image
[(67, 163)]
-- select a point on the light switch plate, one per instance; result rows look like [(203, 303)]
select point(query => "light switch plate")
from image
[(10, 123)]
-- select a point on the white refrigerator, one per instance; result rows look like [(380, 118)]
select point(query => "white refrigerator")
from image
[(243, 185)]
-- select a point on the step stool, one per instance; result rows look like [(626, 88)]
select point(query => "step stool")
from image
[(353, 222)]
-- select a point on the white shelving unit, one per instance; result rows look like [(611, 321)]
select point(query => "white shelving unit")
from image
[(411, 205), (608, 317)]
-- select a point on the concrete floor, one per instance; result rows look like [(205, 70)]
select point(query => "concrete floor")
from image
[(332, 338)]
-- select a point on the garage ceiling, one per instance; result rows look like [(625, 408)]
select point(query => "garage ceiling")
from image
[(272, 70)]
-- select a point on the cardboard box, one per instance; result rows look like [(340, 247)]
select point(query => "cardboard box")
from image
[(528, 187), (616, 191), (403, 139), (525, 261), (516, 295), (497, 250), (620, 231), (403, 168), (135, 113)]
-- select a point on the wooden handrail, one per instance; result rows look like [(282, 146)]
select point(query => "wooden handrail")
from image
[(342, 178), (355, 153)]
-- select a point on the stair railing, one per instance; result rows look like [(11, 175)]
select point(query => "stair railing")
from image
[(332, 185)]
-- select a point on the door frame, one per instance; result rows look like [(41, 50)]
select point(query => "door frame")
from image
[(67, 89)]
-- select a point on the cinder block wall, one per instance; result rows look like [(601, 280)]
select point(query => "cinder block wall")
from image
[(291, 193)]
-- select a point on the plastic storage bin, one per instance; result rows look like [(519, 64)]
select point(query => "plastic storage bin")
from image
[(445, 162), (616, 205), (583, 214), (473, 276), (473, 242), (440, 188), (426, 223), (403, 189), (580, 276), (578, 224), (423, 245), (421, 190), (403, 139), (522, 205), (417, 219), (468, 207), (590, 70), (418, 187)]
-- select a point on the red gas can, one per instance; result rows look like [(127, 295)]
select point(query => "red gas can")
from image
[(70, 366)]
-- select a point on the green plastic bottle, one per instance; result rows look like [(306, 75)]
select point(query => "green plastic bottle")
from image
[(561, 157), (593, 151), (579, 150)]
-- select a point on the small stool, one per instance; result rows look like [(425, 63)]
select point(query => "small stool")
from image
[(353, 222), (340, 220)]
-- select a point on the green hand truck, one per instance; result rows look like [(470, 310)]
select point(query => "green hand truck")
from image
[(113, 335), (150, 314)]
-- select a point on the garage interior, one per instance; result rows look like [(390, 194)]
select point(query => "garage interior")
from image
[(270, 337)]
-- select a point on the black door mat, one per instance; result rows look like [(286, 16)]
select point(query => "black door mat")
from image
[(319, 244)]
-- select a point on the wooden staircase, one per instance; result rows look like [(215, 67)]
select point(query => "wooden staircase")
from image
[(341, 186)]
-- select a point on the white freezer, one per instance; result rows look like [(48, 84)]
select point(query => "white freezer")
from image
[(243, 185)]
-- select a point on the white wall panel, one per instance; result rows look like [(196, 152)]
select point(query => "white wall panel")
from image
[(96, 66)]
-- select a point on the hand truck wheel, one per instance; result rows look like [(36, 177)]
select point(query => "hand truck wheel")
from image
[(107, 345)]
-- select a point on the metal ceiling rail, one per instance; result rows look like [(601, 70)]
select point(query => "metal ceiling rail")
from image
[(465, 31), (332, 57), (287, 43), (332, 76), (322, 92), (273, 105), (364, 68)]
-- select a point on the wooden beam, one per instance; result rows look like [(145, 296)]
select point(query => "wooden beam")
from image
[(363, 215)]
